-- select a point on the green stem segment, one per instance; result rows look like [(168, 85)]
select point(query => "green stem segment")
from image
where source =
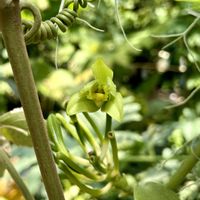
[(94, 192), (4, 161), (94, 126), (10, 22), (113, 142), (185, 168), (88, 135), (105, 142)]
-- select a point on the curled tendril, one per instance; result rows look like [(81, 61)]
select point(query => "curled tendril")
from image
[(33, 28), (40, 30), (76, 4), (37, 31)]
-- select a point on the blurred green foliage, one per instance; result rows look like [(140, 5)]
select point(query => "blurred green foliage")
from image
[(148, 80)]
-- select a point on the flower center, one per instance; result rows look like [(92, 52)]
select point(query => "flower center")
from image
[(98, 95)]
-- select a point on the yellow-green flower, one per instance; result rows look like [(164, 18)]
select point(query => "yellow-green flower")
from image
[(98, 94)]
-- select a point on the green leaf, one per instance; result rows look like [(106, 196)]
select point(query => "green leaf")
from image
[(14, 128), (101, 71), (154, 191), (79, 103), (114, 107)]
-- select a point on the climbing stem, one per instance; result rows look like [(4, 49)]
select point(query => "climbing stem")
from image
[(188, 163), (10, 22), (4, 161)]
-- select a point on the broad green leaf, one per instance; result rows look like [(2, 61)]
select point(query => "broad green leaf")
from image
[(101, 72), (154, 191), (114, 107), (14, 128), (79, 103)]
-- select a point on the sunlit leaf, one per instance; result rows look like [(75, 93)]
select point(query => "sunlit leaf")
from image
[(57, 84), (14, 128), (154, 191)]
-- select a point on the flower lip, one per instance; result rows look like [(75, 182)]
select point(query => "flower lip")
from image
[(99, 94)]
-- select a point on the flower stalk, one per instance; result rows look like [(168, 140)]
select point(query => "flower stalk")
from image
[(94, 126)]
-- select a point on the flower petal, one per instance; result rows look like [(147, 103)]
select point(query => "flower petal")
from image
[(78, 103), (114, 107), (101, 72)]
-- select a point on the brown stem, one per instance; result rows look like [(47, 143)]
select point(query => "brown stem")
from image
[(14, 41)]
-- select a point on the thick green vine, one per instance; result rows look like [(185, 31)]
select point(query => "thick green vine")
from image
[(14, 41)]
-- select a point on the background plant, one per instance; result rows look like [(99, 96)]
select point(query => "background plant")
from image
[(151, 80)]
